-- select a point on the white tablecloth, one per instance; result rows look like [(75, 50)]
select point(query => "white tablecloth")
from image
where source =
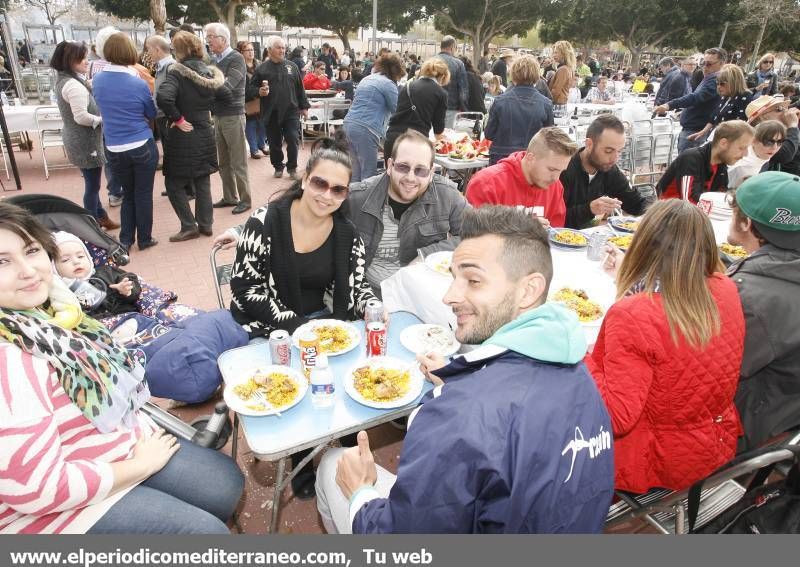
[(419, 290), (23, 118)]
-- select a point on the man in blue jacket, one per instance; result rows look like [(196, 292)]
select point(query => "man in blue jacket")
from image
[(699, 105), (515, 437), (675, 83)]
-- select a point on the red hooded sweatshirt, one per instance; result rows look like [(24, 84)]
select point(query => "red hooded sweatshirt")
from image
[(505, 184)]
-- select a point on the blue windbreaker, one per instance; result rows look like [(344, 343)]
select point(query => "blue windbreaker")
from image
[(511, 443)]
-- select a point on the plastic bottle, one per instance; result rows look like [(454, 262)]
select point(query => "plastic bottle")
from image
[(322, 386), (53, 99)]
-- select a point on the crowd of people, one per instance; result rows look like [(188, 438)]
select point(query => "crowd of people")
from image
[(527, 433)]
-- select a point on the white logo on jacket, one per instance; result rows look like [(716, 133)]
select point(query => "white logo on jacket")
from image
[(596, 445)]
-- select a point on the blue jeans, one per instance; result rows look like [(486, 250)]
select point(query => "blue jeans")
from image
[(256, 134), (112, 185), (135, 170), (195, 493), (363, 151), (684, 144), (91, 192)]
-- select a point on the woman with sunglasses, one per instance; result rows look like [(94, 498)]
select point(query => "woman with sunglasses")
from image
[(300, 258), (764, 80), (735, 98), (768, 139)]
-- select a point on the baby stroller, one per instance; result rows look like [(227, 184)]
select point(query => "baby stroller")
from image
[(57, 213)]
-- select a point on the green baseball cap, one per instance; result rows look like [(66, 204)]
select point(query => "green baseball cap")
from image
[(772, 201)]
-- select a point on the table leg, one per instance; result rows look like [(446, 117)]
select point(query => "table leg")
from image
[(281, 483), (276, 497), (235, 433)]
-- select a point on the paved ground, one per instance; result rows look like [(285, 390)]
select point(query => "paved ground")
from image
[(184, 267)]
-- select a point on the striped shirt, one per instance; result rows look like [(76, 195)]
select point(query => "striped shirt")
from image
[(55, 475), (387, 257)]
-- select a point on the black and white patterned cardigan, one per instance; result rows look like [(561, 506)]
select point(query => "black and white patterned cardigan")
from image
[(265, 281)]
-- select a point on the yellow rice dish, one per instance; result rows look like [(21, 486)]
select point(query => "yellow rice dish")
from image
[(443, 267), (579, 302), (629, 225), (732, 250), (570, 237), (622, 242), (381, 384), (332, 338), (279, 390)]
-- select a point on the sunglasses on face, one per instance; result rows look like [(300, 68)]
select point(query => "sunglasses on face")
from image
[(770, 143), (769, 61), (722, 83), (321, 186), (419, 171)]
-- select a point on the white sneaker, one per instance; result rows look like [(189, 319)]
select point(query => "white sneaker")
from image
[(114, 201)]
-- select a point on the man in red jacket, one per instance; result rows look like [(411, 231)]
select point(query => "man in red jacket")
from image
[(528, 179)]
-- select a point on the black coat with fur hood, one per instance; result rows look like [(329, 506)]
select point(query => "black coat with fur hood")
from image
[(188, 92)]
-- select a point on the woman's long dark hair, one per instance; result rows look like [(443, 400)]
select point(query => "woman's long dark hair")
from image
[(336, 149)]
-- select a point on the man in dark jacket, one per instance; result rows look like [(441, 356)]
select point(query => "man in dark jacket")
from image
[(675, 83), (229, 120), (500, 67), (699, 105), (514, 438), (457, 88), (407, 211), (593, 184), (283, 100), (766, 222), (706, 168)]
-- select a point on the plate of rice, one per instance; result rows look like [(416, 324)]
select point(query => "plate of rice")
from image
[(578, 301), (335, 337), (624, 224), (266, 391), (384, 382), (568, 237), (440, 262)]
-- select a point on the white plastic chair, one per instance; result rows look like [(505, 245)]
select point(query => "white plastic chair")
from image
[(317, 116), (48, 126), (335, 122)]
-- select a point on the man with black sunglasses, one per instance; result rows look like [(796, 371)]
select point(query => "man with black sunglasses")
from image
[(699, 105), (406, 212)]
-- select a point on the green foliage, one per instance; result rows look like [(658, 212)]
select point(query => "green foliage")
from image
[(635, 24), (197, 11), (344, 16)]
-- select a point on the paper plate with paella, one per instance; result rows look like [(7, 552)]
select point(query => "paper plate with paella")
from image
[(624, 224), (568, 238), (440, 262), (589, 312), (384, 382), (335, 337), (265, 391)]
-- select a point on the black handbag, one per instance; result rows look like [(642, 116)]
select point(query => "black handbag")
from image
[(772, 508)]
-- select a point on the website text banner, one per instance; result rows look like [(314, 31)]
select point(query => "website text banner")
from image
[(394, 551)]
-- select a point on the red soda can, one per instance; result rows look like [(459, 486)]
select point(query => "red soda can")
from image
[(374, 311), (280, 347), (376, 338)]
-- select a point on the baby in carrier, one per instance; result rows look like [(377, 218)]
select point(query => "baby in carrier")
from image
[(102, 291)]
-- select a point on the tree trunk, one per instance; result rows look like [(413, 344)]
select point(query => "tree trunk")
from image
[(477, 48), (158, 13), (636, 56), (345, 40), (230, 20), (757, 47)]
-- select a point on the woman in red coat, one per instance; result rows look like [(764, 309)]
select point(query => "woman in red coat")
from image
[(318, 80), (668, 355)]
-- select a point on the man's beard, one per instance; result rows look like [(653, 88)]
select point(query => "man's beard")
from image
[(486, 325), (595, 164)]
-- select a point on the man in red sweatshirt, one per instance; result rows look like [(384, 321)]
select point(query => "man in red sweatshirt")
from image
[(528, 179)]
